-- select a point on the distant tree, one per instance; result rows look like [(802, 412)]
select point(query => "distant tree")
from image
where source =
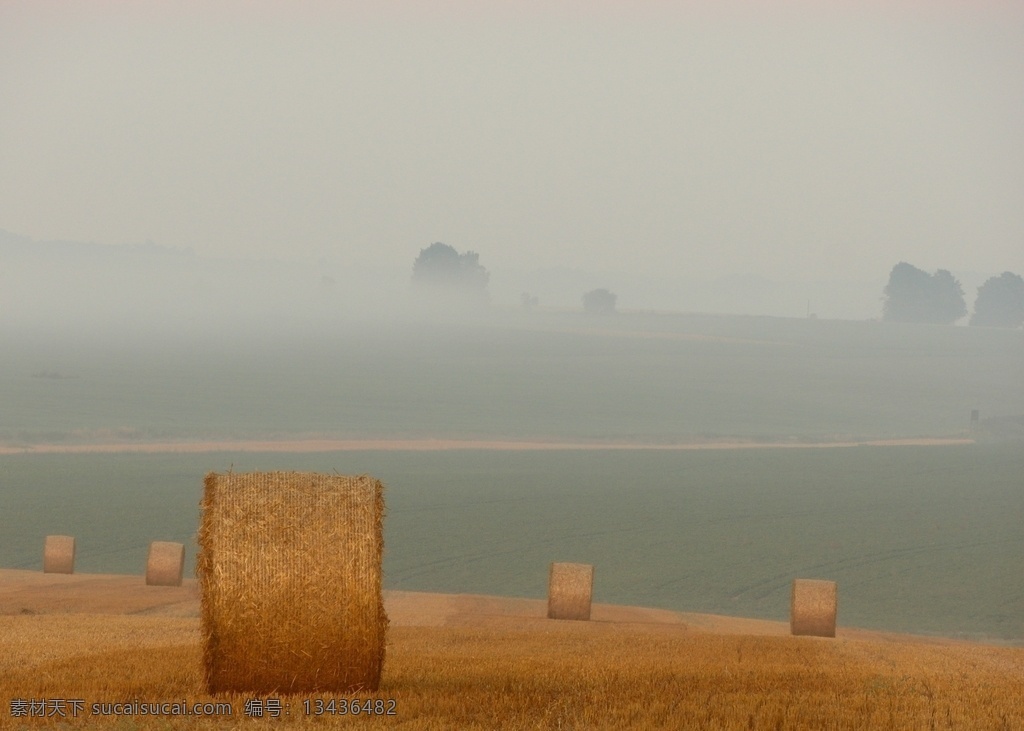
[(441, 269), (528, 301), (949, 297), (1000, 302), (912, 295), (599, 302)]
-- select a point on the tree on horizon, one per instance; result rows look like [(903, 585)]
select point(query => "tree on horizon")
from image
[(599, 302), (1000, 302), (912, 295), (442, 271)]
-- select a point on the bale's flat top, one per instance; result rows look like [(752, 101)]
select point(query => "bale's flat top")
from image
[(165, 562)]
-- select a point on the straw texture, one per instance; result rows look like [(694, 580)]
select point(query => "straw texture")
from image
[(813, 608), (59, 555), (289, 568), (165, 563), (570, 588)]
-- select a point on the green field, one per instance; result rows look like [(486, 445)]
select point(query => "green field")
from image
[(633, 377), (922, 539)]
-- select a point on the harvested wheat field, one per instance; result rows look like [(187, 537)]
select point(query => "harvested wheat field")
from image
[(473, 662)]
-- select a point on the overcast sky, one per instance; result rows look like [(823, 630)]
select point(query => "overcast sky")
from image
[(817, 140)]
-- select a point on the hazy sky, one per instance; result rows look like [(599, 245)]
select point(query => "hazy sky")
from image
[(825, 139)]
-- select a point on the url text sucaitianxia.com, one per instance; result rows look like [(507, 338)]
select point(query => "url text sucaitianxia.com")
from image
[(57, 708), (77, 707)]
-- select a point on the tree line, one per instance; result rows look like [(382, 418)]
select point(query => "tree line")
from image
[(913, 295)]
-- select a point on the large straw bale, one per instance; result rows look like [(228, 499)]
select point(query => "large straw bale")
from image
[(59, 555), (165, 563), (570, 588), (813, 607), (289, 567)]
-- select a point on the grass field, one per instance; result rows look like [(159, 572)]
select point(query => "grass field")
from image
[(556, 675), (920, 539)]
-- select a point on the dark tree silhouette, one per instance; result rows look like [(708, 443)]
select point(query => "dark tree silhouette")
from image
[(912, 295), (599, 302), (1000, 302), (948, 298), (441, 269)]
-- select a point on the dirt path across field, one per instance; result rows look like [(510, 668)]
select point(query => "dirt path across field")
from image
[(431, 445)]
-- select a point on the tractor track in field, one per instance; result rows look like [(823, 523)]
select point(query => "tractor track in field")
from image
[(780, 582)]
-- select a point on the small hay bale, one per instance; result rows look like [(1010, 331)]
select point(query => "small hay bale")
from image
[(289, 569), (165, 563), (59, 555), (570, 588), (813, 608)]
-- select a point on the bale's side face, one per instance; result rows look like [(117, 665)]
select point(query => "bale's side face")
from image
[(290, 573), (59, 555), (813, 608), (165, 563), (570, 588)]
